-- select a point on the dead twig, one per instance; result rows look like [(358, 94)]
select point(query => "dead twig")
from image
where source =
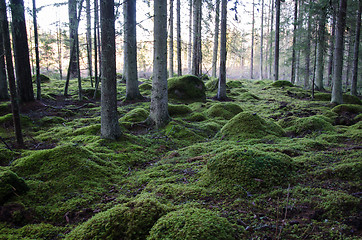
[(7, 146)]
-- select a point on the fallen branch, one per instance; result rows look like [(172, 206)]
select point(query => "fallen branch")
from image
[(7, 146)]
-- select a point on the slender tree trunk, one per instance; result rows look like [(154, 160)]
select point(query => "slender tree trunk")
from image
[(261, 39), (130, 51), (89, 40), (292, 77), (21, 52), (37, 61), (109, 117), (189, 53), (170, 43), (221, 93), (267, 44), (179, 48), (59, 44), (356, 51), (199, 42), (349, 58), (321, 49), (72, 13), (4, 28), (216, 38), (95, 36), (252, 43), (277, 24), (4, 95), (159, 100), (307, 51), (331, 44), (337, 94), (195, 52), (315, 60), (299, 40), (271, 40)]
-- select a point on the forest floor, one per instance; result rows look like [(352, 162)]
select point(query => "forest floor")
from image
[(271, 163)]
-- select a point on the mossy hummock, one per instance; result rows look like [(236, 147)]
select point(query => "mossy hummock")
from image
[(10, 185), (224, 110), (187, 88)]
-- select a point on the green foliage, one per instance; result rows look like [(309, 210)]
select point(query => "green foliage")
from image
[(225, 110), (248, 125), (307, 125), (10, 185), (282, 83), (250, 169), (192, 223), (187, 88), (132, 220)]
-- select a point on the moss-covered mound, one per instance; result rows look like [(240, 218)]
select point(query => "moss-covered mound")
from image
[(145, 86), (249, 169), (307, 125), (192, 223), (186, 88), (248, 125), (6, 156), (135, 115), (128, 221), (282, 83), (177, 131), (348, 108), (43, 78), (212, 84), (89, 93), (7, 120), (196, 117), (320, 96), (33, 231), (179, 109), (10, 185), (234, 84), (225, 110), (349, 99)]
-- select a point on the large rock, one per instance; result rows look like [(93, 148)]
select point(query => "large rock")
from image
[(187, 88)]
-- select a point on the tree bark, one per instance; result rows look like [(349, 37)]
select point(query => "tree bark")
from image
[(337, 94), (72, 13), (261, 39), (159, 99), (4, 28), (59, 45), (95, 36), (179, 47), (356, 51), (4, 95), (307, 51), (37, 61), (195, 43), (252, 43), (221, 93), (349, 59), (271, 39), (89, 41), (216, 38), (109, 117), (189, 46), (21, 52), (130, 51), (321, 48), (170, 43), (292, 77), (277, 25), (331, 44)]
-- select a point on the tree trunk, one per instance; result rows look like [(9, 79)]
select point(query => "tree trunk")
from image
[(221, 93), (89, 41), (271, 40), (252, 44), (349, 58), (130, 51), (179, 47), (261, 39), (195, 51), (331, 44), (109, 117), (37, 61), (292, 77), (170, 43), (159, 100), (337, 94), (4, 95), (307, 51), (189, 47), (321, 48), (4, 29), (59, 45), (276, 55), (356, 51), (95, 36), (72, 13), (21, 52), (216, 38)]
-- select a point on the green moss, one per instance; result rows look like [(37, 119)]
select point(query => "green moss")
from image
[(225, 110), (145, 87), (49, 120), (307, 125), (248, 125), (33, 231), (135, 115), (132, 220), (212, 84), (178, 109), (349, 99), (7, 120), (43, 78), (5, 108), (6, 156), (320, 96), (251, 169), (234, 84), (187, 88), (355, 132), (349, 108), (10, 185), (248, 97), (89, 93), (192, 223), (282, 83), (196, 117), (179, 132)]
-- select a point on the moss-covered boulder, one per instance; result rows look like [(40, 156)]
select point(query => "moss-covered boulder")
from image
[(307, 125), (249, 169), (178, 109), (43, 78), (186, 88), (129, 221), (234, 84), (282, 83), (350, 99), (192, 223), (225, 110), (10, 185), (348, 108), (247, 125), (135, 115)]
